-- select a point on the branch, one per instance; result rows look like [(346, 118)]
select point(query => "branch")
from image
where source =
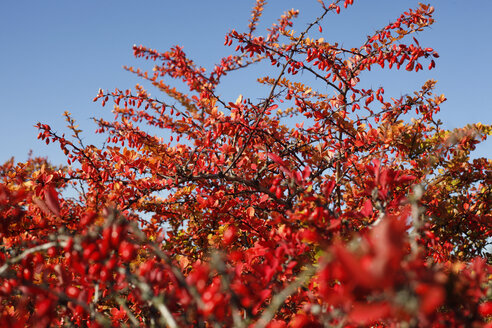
[(165, 313), (29, 251)]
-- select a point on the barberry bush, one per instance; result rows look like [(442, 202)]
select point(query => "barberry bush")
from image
[(322, 204)]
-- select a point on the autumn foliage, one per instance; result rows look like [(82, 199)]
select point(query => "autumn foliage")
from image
[(321, 204)]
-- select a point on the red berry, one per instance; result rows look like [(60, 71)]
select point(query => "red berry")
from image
[(52, 251), (72, 291), (126, 251), (229, 235)]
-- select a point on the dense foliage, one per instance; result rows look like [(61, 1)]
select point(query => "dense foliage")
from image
[(322, 204)]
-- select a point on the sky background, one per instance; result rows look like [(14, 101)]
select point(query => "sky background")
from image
[(55, 55)]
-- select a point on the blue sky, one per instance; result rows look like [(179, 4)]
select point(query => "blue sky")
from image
[(55, 55)]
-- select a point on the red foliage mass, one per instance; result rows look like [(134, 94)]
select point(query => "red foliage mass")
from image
[(362, 215)]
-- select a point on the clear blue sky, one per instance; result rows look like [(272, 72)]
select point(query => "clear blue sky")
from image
[(55, 55)]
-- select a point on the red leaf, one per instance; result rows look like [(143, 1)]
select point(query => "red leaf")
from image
[(263, 198), (276, 159), (306, 173), (328, 187), (41, 204), (364, 314), (282, 164), (367, 208), (431, 297), (406, 178), (353, 267), (51, 199)]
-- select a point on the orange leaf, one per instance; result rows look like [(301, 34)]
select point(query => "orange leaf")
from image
[(250, 211)]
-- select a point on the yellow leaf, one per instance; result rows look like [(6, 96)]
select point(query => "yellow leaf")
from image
[(239, 99)]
